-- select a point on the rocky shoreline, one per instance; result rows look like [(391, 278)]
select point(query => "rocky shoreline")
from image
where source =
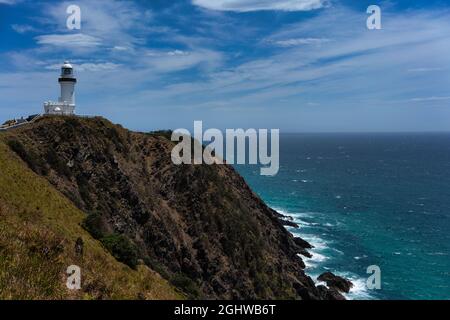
[(336, 286)]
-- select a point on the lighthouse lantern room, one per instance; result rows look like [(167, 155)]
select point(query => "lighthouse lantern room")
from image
[(66, 101)]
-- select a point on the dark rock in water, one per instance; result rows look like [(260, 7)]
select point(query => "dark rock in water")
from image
[(304, 253), (335, 282), (300, 261), (289, 223), (302, 243), (329, 294), (277, 214)]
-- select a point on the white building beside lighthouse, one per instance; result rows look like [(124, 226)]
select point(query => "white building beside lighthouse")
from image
[(66, 101)]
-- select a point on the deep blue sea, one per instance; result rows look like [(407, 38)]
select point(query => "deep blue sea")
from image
[(368, 199)]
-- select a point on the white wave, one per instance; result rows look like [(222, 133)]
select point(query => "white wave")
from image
[(306, 214), (294, 214), (303, 223), (281, 211), (359, 291), (296, 217), (436, 254), (309, 264), (317, 257), (316, 242)]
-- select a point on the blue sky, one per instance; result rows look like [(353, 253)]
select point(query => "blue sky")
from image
[(297, 65)]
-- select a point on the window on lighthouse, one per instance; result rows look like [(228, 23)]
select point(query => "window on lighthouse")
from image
[(67, 71)]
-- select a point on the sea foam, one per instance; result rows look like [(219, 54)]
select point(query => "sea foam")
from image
[(315, 263)]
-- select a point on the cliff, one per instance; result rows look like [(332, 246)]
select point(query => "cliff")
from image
[(199, 229)]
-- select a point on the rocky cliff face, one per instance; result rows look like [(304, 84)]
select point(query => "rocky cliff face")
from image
[(200, 227)]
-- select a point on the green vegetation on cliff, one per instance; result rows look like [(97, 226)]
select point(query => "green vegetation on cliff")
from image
[(39, 228)]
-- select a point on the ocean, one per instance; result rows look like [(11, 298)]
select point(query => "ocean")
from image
[(368, 199)]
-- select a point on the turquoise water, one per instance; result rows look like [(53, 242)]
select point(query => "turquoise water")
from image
[(368, 199)]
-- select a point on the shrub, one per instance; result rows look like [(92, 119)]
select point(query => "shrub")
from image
[(122, 249), (156, 266), (185, 284), (94, 224), (161, 133)]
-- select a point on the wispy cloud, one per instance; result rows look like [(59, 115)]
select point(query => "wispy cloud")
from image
[(114, 23), (425, 69), (23, 28), (177, 60), (299, 42), (252, 5), (427, 99), (120, 48), (88, 66), (10, 2), (73, 41)]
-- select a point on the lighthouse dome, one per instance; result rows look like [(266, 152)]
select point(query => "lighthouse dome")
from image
[(67, 65), (67, 70)]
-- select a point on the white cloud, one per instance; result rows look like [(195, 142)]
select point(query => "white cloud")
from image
[(177, 60), (95, 67), (425, 69), (78, 40), (428, 99), (87, 66), (117, 23), (300, 41), (23, 28), (355, 70), (258, 5), (10, 1), (178, 53), (120, 48), (24, 60)]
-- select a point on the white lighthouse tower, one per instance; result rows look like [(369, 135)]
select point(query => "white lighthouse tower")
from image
[(66, 101)]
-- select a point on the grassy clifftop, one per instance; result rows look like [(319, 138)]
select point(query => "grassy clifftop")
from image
[(39, 228)]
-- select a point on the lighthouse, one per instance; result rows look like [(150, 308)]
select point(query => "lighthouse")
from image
[(66, 101)]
